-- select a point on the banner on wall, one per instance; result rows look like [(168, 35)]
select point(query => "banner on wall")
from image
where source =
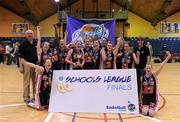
[(96, 91), (19, 28), (80, 29), (169, 27)]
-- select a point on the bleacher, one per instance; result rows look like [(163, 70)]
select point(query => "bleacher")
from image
[(173, 43)]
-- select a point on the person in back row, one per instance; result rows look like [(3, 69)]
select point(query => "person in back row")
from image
[(43, 81), (143, 60), (75, 57), (88, 54)]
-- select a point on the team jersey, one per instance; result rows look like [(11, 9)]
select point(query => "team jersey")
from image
[(62, 53), (54, 59), (149, 91), (96, 59), (44, 56), (109, 63), (127, 60), (119, 58), (77, 57), (88, 58), (42, 90)]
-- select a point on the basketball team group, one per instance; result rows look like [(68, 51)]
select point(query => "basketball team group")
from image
[(38, 61)]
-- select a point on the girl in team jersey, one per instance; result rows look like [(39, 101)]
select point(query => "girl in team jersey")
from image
[(98, 55), (62, 53), (75, 57), (149, 92), (43, 84), (88, 54), (128, 58), (109, 62)]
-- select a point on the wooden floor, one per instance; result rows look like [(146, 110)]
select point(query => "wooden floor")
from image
[(13, 109)]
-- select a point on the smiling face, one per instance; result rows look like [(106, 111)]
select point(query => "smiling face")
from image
[(109, 47), (71, 45), (87, 43), (140, 42), (45, 46), (104, 42), (148, 69), (48, 63), (29, 34), (96, 44), (61, 43), (78, 45), (127, 47)]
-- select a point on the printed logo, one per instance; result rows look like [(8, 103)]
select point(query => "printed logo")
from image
[(90, 30), (119, 108), (131, 107), (63, 87)]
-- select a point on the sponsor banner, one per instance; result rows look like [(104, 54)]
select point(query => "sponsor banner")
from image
[(96, 91)]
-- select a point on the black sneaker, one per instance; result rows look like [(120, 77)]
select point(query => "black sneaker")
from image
[(32, 100), (27, 101)]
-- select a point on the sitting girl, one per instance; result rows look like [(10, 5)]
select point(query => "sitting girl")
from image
[(149, 93), (43, 84)]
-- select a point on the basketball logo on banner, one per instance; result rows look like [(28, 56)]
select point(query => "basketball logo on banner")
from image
[(63, 87), (93, 31)]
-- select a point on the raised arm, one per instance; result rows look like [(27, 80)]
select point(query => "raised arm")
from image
[(136, 57), (82, 64), (163, 63), (55, 29), (120, 42), (38, 40), (103, 54), (65, 36), (68, 57)]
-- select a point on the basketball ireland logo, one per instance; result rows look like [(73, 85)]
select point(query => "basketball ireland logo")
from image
[(63, 87)]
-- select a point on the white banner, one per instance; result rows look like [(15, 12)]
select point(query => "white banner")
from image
[(96, 91)]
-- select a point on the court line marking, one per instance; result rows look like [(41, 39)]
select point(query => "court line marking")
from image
[(105, 117), (48, 117), (151, 118), (74, 116), (11, 105), (11, 92), (120, 118), (138, 115)]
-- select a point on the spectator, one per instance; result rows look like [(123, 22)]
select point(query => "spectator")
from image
[(150, 50)]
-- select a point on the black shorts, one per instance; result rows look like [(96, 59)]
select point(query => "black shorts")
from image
[(148, 99)]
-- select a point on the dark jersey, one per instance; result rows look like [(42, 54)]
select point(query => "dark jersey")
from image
[(144, 52), (88, 58), (77, 57), (45, 87), (127, 61), (149, 90), (96, 58), (109, 63), (44, 56), (119, 58), (54, 59), (62, 53)]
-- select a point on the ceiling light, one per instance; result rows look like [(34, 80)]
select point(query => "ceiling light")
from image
[(56, 0)]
